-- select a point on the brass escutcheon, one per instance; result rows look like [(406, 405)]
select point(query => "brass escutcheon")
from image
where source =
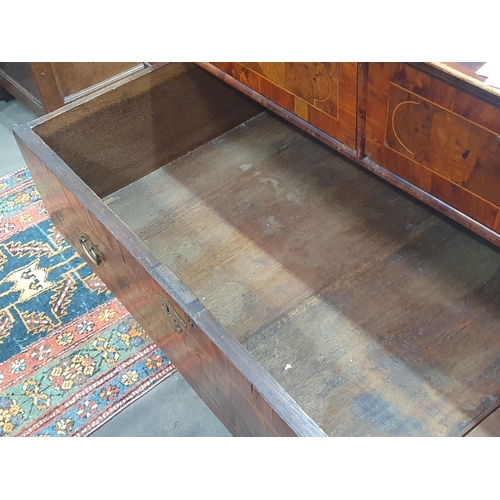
[(175, 322)]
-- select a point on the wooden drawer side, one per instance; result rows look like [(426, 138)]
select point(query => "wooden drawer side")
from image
[(237, 390)]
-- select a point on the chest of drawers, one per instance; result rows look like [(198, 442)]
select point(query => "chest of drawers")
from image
[(296, 291)]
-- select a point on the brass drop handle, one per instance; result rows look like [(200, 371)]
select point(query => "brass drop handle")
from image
[(90, 250)]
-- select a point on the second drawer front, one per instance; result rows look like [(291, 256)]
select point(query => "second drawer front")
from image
[(323, 94), (439, 138)]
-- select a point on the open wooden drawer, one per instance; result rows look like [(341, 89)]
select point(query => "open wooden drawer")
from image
[(296, 292)]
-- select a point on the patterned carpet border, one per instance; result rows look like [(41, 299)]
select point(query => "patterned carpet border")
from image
[(71, 356)]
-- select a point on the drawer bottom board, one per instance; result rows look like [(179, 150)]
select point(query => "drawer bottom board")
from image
[(377, 315)]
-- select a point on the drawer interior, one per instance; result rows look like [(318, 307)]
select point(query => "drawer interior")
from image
[(378, 315)]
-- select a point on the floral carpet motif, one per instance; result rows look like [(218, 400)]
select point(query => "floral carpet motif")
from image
[(71, 356)]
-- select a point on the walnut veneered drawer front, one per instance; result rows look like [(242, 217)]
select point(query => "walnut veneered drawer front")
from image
[(322, 94), (440, 138), (296, 292)]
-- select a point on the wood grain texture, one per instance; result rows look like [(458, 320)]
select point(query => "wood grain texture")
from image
[(323, 94), (362, 91), (73, 77), (236, 174), (17, 79), (439, 138), (230, 382), (488, 427), (385, 311), (22, 74), (136, 128), (46, 80)]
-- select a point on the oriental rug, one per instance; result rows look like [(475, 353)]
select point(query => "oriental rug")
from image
[(71, 356)]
